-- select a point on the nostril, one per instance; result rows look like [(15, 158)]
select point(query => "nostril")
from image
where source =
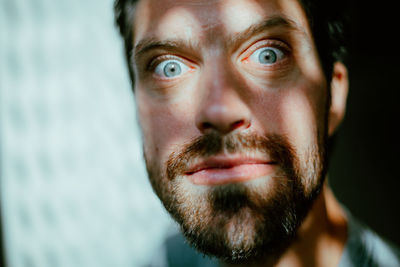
[(206, 125), (238, 124)]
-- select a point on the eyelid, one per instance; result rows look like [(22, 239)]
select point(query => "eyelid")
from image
[(265, 43), (278, 53), (155, 62)]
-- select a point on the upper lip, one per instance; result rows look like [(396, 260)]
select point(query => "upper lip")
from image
[(221, 162)]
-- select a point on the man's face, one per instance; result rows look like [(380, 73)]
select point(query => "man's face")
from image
[(232, 102)]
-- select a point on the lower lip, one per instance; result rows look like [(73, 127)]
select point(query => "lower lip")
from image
[(235, 174)]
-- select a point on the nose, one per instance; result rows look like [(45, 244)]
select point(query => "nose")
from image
[(223, 106)]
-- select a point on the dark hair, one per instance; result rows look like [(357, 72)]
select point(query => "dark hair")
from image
[(327, 20)]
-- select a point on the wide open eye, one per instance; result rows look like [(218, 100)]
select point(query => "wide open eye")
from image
[(267, 55), (170, 68)]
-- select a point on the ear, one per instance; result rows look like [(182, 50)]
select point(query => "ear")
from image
[(339, 90)]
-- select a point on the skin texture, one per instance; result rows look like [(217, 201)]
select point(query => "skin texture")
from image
[(270, 122)]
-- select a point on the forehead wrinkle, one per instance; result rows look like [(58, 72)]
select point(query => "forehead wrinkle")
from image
[(214, 34), (232, 39), (280, 22)]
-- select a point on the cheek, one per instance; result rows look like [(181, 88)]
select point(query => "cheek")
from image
[(303, 115), (163, 126), (297, 111), (299, 117)]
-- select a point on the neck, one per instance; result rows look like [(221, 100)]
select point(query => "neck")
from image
[(322, 236)]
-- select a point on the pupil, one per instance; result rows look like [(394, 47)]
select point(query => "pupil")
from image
[(267, 56), (172, 69)]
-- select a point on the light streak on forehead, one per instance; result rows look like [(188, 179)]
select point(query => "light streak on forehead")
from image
[(229, 18), (195, 19), (286, 13), (173, 23), (237, 19)]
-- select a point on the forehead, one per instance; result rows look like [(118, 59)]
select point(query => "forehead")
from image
[(209, 19)]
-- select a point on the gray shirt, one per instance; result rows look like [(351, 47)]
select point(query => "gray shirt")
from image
[(364, 248)]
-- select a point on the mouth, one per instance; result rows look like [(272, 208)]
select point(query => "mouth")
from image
[(220, 170)]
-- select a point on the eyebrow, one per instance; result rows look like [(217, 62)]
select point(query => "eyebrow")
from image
[(234, 40), (148, 44), (270, 23)]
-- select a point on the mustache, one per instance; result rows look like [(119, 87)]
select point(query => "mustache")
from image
[(276, 146)]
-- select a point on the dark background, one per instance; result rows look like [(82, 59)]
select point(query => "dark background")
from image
[(364, 172)]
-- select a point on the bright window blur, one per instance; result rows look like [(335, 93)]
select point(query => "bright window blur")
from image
[(74, 190)]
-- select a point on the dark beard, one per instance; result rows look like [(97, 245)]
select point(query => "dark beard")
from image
[(241, 222)]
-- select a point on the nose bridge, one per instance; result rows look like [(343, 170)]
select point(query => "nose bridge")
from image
[(222, 78), (223, 105)]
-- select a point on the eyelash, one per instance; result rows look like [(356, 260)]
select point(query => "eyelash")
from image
[(266, 43), (158, 59), (155, 61)]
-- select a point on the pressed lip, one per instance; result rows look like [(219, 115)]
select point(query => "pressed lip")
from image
[(223, 169), (224, 163)]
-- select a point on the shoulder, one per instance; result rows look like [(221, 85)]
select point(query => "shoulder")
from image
[(180, 254), (364, 247)]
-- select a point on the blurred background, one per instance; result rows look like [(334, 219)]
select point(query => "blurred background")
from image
[(73, 188), (364, 171)]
